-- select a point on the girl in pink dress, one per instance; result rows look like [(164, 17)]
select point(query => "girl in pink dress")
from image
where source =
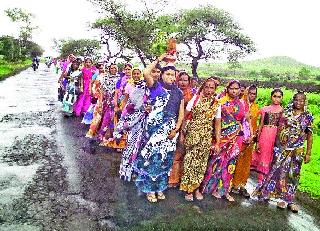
[(83, 103), (270, 116)]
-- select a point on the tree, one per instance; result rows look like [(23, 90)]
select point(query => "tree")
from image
[(233, 61), (26, 27), (304, 73), (9, 48), (107, 39), (33, 49), (134, 31), (82, 47), (208, 33)]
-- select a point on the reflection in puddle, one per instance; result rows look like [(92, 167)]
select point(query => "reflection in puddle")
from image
[(302, 221)]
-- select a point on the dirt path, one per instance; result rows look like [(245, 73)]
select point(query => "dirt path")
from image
[(53, 178)]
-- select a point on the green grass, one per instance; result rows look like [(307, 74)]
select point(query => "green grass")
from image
[(310, 173), (9, 68)]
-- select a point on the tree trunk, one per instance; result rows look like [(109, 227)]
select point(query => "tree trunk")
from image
[(194, 66)]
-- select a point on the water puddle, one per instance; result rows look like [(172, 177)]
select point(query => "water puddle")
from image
[(13, 180), (302, 221), (10, 131)]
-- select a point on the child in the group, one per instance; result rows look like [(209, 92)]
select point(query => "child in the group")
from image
[(270, 117)]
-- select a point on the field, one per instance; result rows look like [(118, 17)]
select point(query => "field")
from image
[(7, 69)]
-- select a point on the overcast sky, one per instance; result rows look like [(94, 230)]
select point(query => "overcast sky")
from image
[(278, 27)]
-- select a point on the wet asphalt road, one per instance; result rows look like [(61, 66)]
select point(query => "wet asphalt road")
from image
[(53, 178)]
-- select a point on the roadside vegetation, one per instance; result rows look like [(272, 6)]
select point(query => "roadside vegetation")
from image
[(16, 53), (11, 68)]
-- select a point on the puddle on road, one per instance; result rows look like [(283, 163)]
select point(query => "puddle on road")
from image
[(10, 131), (13, 180), (302, 221)]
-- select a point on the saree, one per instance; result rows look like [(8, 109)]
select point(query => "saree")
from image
[(221, 166), (288, 155)]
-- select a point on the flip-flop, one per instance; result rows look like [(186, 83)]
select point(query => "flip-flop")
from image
[(216, 195), (293, 207), (281, 205), (161, 196), (151, 197), (199, 196), (188, 197)]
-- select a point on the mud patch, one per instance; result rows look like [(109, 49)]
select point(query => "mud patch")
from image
[(28, 150), (41, 118)]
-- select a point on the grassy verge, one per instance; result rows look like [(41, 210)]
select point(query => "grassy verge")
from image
[(11, 68), (310, 173)]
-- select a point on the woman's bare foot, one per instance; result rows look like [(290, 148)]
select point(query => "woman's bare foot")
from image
[(216, 195), (229, 198), (188, 197), (198, 195)]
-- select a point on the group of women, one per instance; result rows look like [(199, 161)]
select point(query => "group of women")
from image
[(174, 134)]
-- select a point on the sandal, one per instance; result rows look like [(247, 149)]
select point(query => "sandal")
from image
[(198, 195), (281, 205), (244, 193), (188, 197), (293, 207), (216, 195), (161, 196), (235, 190), (229, 198), (151, 197)]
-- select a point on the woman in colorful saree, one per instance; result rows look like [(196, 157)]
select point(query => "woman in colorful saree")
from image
[(205, 116), (103, 111), (132, 122), (288, 155), (184, 84), (270, 117), (120, 99), (221, 165), (158, 144), (73, 88), (83, 103)]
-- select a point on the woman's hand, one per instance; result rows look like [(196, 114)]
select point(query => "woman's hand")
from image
[(161, 57), (307, 157), (216, 149), (172, 134), (116, 109), (181, 138), (257, 147), (250, 139), (148, 108)]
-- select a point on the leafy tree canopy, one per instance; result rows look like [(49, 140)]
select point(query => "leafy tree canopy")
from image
[(81, 47)]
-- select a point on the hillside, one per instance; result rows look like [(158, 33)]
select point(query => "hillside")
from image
[(278, 64)]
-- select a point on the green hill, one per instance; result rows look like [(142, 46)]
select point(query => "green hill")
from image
[(279, 64)]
